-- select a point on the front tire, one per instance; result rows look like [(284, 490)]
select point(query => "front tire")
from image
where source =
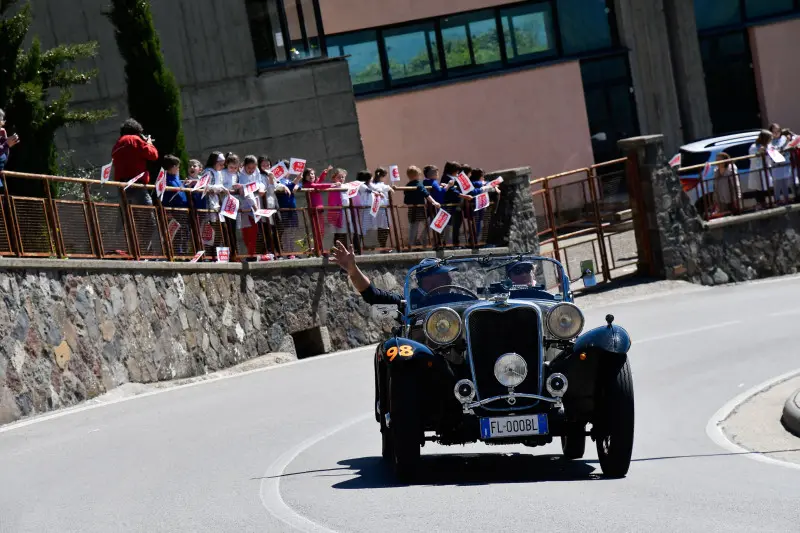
[(573, 444), (405, 426), (615, 438)]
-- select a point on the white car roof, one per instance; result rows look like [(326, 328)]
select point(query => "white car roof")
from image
[(722, 142)]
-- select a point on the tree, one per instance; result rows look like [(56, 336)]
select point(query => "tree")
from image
[(154, 98), (36, 92)]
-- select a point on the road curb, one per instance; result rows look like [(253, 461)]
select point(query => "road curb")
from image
[(791, 413)]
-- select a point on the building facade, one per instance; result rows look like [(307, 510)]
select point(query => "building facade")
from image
[(548, 83)]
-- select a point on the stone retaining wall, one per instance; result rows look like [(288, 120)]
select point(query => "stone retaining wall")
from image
[(71, 330)]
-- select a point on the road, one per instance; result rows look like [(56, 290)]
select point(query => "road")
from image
[(294, 448)]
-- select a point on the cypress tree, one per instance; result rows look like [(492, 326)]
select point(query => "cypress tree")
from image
[(36, 92), (154, 98)]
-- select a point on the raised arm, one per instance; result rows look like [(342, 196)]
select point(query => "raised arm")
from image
[(346, 259)]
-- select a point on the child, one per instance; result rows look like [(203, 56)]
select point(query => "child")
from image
[(176, 199), (382, 220), (246, 221), (6, 143), (287, 202), (314, 184), (757, 183), (172, 166), (416, 200), (223, 183), (781, 173), (452, 200), (727, 191), (340, 217)]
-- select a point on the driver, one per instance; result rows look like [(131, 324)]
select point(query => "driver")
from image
[(428, 279), (521, 273)]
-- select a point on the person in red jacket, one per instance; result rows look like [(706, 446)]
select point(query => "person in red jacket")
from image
[(130, 157)]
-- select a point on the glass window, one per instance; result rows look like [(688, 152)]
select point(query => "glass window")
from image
[(410, 51), (584, 25), (716, 13), (470, 40), (528, 31), (361, 49), (302, 26), (265, 29), (765, 8)]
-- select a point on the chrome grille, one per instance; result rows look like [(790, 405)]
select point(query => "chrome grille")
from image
[(494, 331)]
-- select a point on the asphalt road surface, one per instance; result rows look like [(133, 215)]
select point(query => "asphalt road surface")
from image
[(295, 448)]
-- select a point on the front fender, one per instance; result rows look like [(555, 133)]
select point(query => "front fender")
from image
[(611, 338), (400, 350)]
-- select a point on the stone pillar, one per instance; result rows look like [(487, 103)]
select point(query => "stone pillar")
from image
[(666, 68), (688, 70), (514, 222), (667, 228)]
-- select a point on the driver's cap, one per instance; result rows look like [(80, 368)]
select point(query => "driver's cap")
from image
[(426, 268), (520, 267)]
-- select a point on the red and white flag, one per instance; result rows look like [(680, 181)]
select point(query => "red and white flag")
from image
[(203, 182), (172, 228), (394, 173), (376, 204), (464, 183), (297, 166), (223, 254), (263, 258), (197, 256), (794, 143), (207, 234), (352, 188), (482, 201), (250, 189), (134, 180), (675, 161), (775, 155), (279, 171), (440, 221), (230, 208), (263, 213), (496, 183), (161, 184), (105, 173)]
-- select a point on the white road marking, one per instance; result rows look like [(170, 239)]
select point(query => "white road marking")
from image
[(688, 332), (270, 489), (210, 378), (786, 313), (714, 426)]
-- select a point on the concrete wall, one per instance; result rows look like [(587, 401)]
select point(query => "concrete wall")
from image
[(347, 15), (306, 112), (773, 47), (540, 121)]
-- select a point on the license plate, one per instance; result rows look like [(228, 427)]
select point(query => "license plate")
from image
[(513, 426)]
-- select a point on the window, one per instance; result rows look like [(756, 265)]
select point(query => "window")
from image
[(471, 40), (410, 51), (528, 31), (764, 8), (285, 30), (584, 25), (715, 13), (363, 57)]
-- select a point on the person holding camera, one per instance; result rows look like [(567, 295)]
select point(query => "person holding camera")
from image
[(6, 143), (130, 157)]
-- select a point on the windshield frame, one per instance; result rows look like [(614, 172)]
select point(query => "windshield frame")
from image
[(498, 259)]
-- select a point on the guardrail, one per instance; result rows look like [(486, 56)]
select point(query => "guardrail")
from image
[(718, 190), (88, 227)]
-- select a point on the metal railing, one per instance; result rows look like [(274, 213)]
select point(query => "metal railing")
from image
[(580, 215), (90, 227)]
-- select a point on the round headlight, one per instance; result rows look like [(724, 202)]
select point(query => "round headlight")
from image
[(565, 321), (443, 326), (510, 369)]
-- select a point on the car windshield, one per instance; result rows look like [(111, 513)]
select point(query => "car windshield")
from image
[(438, 282)]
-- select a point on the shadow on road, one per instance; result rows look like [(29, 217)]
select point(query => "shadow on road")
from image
[(469, 469)]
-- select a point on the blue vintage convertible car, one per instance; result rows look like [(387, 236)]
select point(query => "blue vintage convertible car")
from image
[(494, 351)]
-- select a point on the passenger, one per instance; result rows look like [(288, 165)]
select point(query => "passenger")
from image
[(430, 278)]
